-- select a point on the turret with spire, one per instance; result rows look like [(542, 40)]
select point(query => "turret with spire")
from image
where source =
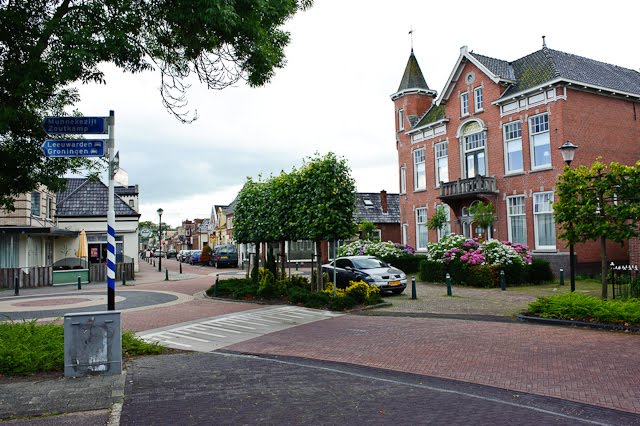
[(413, 97)]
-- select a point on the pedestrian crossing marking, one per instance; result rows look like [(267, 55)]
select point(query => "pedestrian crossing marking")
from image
[(202, 335)]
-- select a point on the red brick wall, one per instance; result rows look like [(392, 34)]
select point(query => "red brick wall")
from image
[(390, 232), (599, 125), (634, 251)]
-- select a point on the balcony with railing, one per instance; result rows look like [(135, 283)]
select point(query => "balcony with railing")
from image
[(464, 188)]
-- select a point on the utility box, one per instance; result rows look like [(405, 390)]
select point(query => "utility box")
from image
[(92, 344)]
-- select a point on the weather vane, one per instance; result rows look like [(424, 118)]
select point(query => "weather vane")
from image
[(411, 36)]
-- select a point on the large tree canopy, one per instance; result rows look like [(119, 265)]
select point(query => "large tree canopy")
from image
[(46, 45)]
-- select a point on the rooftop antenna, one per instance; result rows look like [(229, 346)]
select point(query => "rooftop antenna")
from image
[(544, 43), (411, 35)]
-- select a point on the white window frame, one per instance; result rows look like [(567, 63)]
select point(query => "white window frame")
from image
[(464, 104), (49, 206), (511, 135), (405, 233), (516, 208), (419, 170), (403, 180), (441, 155), (401, 119), (475, 146), (477, 99), (538, 211), (421, 228), (534, 133), (36, 203)]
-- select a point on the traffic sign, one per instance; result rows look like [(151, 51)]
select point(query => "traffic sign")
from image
[(75, 125), (74, 147)]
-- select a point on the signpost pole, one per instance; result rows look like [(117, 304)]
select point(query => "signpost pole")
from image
[(111, 221)]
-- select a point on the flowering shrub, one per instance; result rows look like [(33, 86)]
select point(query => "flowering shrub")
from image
[(374, 248), (471, 252)]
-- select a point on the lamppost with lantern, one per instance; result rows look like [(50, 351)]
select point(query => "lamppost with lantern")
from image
[(160, 211), (568, 151)]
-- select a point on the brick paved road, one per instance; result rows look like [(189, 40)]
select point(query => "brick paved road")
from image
[(225, 389), (592, 367)]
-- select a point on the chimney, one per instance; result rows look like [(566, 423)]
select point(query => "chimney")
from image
[(383, 201)]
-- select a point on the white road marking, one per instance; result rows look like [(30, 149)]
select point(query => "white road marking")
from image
[(233, 328)]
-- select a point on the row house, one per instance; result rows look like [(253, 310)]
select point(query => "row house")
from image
[(493, 135)]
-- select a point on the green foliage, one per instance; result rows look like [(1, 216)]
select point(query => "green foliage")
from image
[(359, 290), (28, 347), (438, 219), (269, 287), (134, 346), (407, 263), (299, 281), (432, 271), (54, 45), (342, 302), (366, 229), (539, 272), (236, 288), (483, 215), (374, 248), (580, 307), (598, 201), (207, 250)]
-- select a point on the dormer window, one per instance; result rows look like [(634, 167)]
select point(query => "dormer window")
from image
[(367, 203)]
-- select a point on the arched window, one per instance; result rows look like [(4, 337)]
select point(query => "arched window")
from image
[(474, 150)]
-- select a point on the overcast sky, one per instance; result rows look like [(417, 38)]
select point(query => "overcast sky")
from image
[(344, 60)]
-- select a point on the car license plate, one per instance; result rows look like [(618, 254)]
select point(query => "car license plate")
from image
[(394, 283), (224, 257)]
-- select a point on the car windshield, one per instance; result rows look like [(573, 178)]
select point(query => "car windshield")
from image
[(368, 263)]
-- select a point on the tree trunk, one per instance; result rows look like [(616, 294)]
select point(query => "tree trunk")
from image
[(283, 260), (256, 265), (603, 265), (319, 283)]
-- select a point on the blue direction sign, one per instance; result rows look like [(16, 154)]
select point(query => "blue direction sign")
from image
[(74, 147), (75, 125)]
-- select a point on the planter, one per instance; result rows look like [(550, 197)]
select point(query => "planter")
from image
[(70, 276)]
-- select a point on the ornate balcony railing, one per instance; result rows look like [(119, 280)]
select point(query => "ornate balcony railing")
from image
[(461, 188)]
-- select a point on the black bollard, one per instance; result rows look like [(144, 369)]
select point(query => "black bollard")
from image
[(413, 288), (449, 292), (561, 276), (17, 286), (166, 275), (79, 283), (154, 263), (124, 278), (215, 287), (180, 266), (503, 281)]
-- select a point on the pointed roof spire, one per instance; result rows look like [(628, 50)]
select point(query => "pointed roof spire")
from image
[(412, 78), (544, 43)]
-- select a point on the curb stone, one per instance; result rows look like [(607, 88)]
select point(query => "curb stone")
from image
[(572, 323)]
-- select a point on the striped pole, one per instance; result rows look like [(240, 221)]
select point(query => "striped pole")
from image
[(111, 223)]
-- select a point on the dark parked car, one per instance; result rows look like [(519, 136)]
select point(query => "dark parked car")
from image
[(224, 255), (368, 269), (171, 253)]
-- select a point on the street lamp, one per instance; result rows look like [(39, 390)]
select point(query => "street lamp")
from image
[(568, 151), (160, 211)]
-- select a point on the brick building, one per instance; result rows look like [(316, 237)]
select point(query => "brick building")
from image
[(493, 135)]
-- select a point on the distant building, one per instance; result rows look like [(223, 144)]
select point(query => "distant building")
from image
[(383, 210)]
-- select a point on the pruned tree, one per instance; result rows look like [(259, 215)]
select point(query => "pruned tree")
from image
[(326, 202), (284, 191), (48, 45), (252, 218), (599, 203)]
